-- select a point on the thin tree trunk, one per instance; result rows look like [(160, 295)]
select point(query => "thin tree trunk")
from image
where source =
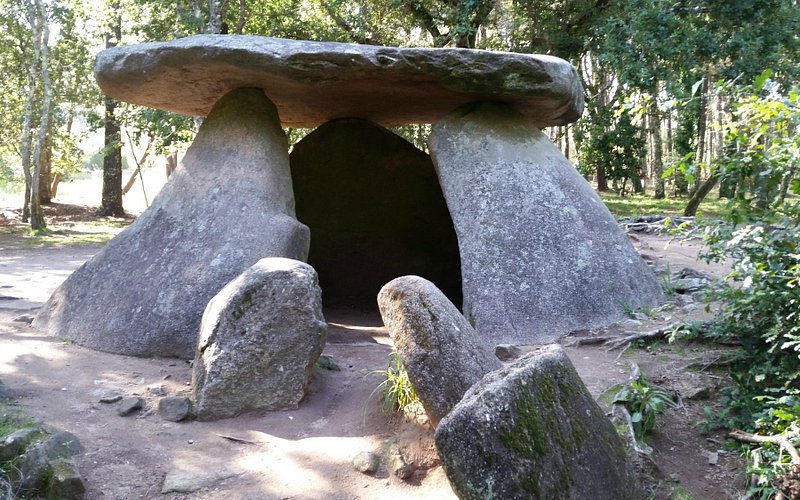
[(701, 134), (658, 160), (172, 163), (54, 187), (37, 217), (139, 163), (700, 194), (27, 122)]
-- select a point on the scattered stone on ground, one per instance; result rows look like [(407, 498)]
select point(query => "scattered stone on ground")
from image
[(693, 386), (130, 405), (371, 236), (396, 461), (180, 480), (259, 340), (541, 255), (440, 350), (367, 462), (326, 362), (174, 408), (198, 234), (313, 81), (157, 390), (110, 399), (24, 318), (507, 352), (46, 468), (532, 430)]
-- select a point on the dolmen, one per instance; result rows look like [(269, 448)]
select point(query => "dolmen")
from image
[(539, 253)]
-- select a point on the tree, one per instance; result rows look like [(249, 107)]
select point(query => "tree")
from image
[(111, 201)]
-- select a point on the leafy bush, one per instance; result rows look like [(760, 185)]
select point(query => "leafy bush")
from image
[(761, 298)]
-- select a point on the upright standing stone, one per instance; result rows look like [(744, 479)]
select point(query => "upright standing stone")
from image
[(532, 430), (441, 352), (259, 340), (540, 253), (227, 205)]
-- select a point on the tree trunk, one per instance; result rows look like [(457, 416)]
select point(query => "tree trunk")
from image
[(46, 159), (111, 201), (27, 121), (701, 134), (37, 217), (54, 186), (139, 163), (700, 194), (172, 163), (658, 159)]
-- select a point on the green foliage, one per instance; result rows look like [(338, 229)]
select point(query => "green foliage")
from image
[(398, 395), (611, 142), (643, 401), (760, 302)]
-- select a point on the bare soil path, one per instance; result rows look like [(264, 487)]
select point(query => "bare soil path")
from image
[(307, 453)]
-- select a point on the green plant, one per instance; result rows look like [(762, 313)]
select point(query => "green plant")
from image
[(643, 401), (398, 394)]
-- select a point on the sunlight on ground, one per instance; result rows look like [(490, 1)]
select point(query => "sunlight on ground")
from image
[(14, 352)]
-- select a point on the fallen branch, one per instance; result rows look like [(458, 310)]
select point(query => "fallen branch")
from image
[(238, 440), (784, 440), (614, 344)]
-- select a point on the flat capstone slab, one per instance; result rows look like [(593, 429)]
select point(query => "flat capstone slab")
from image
[(313, 82)]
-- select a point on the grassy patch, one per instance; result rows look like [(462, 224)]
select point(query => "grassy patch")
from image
[(634, 205), (21, 236)]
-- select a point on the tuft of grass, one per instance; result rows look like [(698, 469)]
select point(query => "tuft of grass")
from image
[(397, 394)]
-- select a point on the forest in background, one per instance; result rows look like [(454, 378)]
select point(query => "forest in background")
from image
[(685, 99), (663, 79)]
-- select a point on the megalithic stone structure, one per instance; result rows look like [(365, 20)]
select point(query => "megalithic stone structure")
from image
[(227, 205), (532, 266), (540, 252)]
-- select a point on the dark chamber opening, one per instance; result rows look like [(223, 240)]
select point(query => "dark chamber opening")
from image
[(375, 210)]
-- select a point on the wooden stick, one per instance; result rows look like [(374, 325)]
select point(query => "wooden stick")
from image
[(784, 440)]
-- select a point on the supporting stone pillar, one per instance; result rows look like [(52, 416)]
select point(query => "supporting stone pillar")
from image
[(540, 253), (228, 204)]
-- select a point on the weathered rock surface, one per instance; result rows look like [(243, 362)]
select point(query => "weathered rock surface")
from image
[(366, 462), (14, 444), (46, 468), (174, 408), (259, 340), (532, 430), (440, 350), (540, 253), (184, 480), (227, 205), (506, 352), (375, 210), (313, 82), (129, 406)]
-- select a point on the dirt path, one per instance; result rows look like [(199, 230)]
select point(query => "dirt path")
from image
[(302, 454)]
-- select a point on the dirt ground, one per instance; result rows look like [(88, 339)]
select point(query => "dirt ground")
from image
[(307, 453)]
